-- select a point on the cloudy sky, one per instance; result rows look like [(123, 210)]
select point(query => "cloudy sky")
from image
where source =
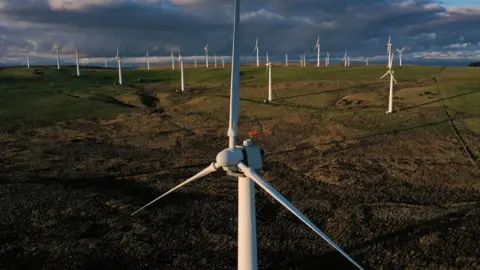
[(445, 29)]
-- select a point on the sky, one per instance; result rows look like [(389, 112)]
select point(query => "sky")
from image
[(428, 29)]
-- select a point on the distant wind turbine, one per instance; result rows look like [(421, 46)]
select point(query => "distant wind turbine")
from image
[(304, 60), (366, 61), (268, 65), (106, 63), (215, 59), (317, 46), (389, 50), (348, 60), (148, 60), (206, 55), (258, 51), (392, 79), (195, 60), (172, 57), (119, 64), (345, 59), (268, 60), (182, 81), (223, 61), (400, 53), (286, 60), (57, 49), (327, 60), (28, 57)]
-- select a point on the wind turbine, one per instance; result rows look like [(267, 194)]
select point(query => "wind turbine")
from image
[(317, 46), (57, 49), (215, 59), (148, 60), (286, 60), (195, 60), (106, 63), (301, 60), (119, 64), (400, 53), (258, 51), (268, 65), (172, 57), (268, 60), (182, 81), (206, 55), (348, 60), (392, 79), (223, 61), (76, 61), (345, 59), (327, 60), (28, 57), (366, 61), (304, 60), (233, 160)]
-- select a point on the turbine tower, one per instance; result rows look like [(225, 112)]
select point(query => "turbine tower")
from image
[(348, 60), (76, 61), (215, 60), (269, 71), (286, 60), (233, 160), (327, 60), (206, 55), (27, 52), (119, 64), (223, 61), (317, 46), (258, 51), (304, 60), (345, 59), (106, 64), (182, 81), (195, 60), (366, 61), (172, 57), (301, 60), (56, 49), (392, 79), (148, 60), (400, 53), (268, 60)]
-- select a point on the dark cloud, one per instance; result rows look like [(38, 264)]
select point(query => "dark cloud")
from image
[(359, 26)]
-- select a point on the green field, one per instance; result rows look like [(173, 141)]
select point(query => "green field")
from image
[(79, 154)]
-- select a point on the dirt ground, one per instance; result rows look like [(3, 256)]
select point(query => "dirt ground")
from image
[(393, 200)]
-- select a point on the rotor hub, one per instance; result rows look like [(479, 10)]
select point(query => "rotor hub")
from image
[(229, 158)]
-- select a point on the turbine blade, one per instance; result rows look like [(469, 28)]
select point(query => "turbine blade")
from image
[(250, 173), (394, 79), (210, 169), (384, 75), (118, 49)]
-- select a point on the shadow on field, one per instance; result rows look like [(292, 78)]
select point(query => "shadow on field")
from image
[(329, 91), (327, 260), (438, 100), (310, 146)]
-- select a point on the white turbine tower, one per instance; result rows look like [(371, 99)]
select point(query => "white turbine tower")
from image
[(27, 52), (57, 49), (286, 60), (119, 64), (392, 79), (172, 57), (327, 60), (366, 61), (345, 59), (148, 60), (301, 60), (106, 63), (348, 60), (206, 55), (76, 61), (258, 51), (233, 160), (269, 71), (215, 59), (304, 60), (400, 53), (195, 60), (317, 46), (223, 61), (267, 59), (182, 81)]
